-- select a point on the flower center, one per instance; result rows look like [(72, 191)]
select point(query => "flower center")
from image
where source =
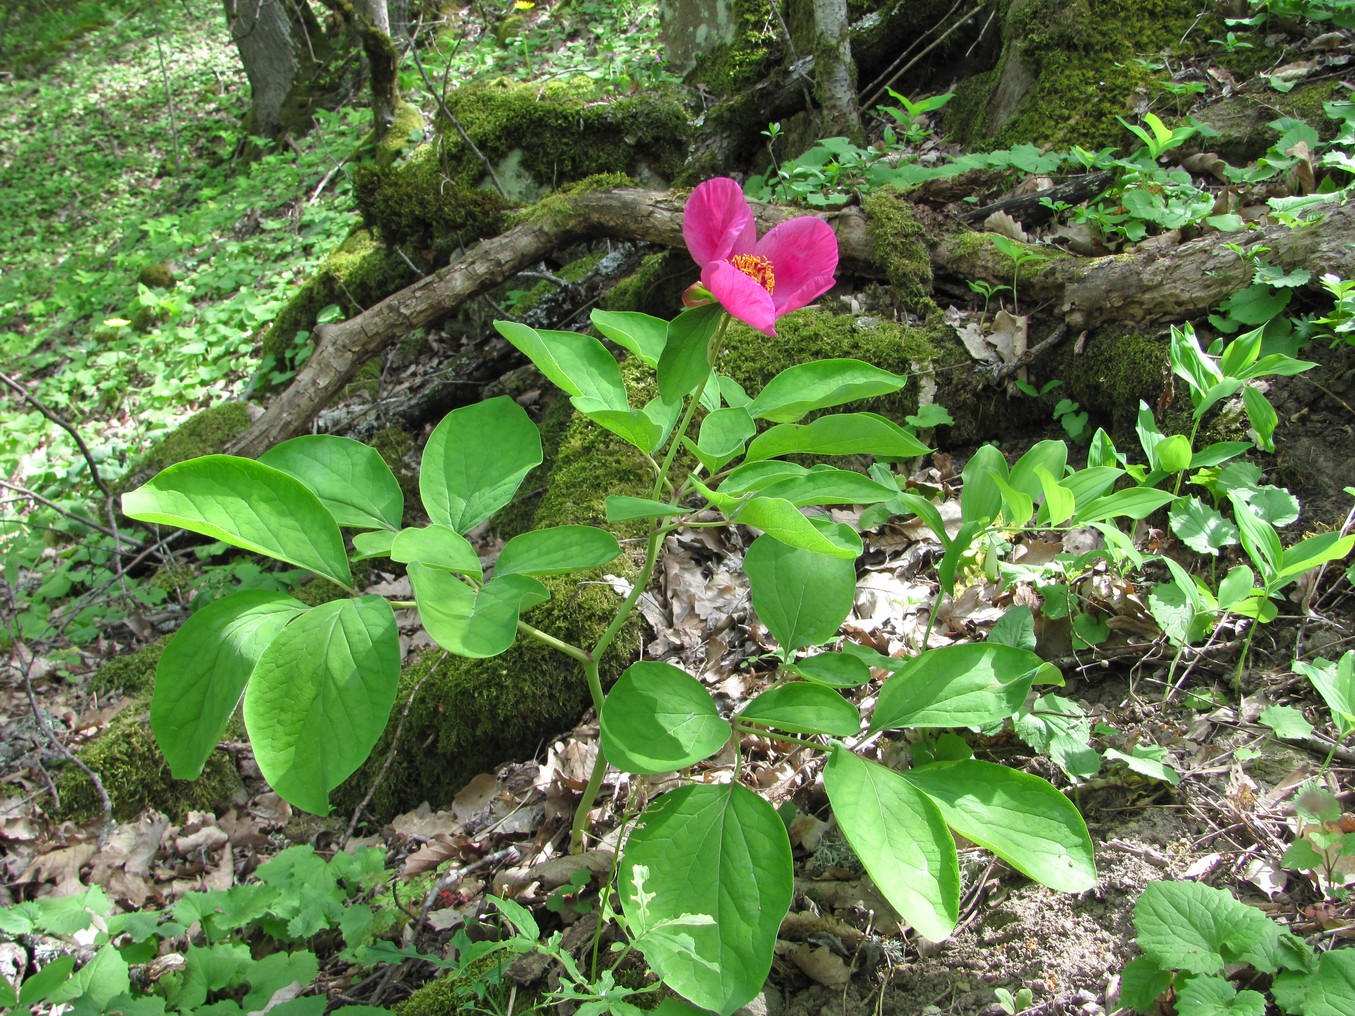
[(757, 268)]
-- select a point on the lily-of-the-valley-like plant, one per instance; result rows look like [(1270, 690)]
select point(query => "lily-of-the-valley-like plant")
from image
[(705, 875)]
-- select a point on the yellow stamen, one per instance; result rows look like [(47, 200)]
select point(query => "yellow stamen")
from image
[(757, 268)]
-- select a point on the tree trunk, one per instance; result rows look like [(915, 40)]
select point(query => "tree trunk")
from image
[(370, 21), (836, 72), (1086, 292), (280, 45)]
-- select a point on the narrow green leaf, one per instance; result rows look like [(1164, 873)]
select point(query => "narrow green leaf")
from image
[(1049, 455), (621, 508), (1262, 415), (474, 461), (248, 505), (820, 384), (971, 684), (824, 485), (781, 520), (1059, 501), (804, 708), (839, 434), (1312, 553), (350, 478), (1017, 816), (1130, 503), (320, 695), (556, 551), (470, 622), (900, 838), (1335, 682), (752, 476), (980, 496), (721, 852), (1259, 538), (801, 596), (659, 719), (438, 547), (203, 671)]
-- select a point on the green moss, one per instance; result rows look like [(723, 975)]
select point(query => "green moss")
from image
[(734, 67), (655, 287), (207, 433), (559, 206), (367, 381), (901, 246), (1242, 120), (1064, 76), (136, 775), (157, 276), (356, 275), (1119, 369), (546, 136), (420, 206), (131, 673)]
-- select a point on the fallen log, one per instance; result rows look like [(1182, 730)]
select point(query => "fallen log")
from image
[(1156, 284)]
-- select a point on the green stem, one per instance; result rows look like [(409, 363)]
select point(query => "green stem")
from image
[(744, 728), (652, 547), (570, 650)]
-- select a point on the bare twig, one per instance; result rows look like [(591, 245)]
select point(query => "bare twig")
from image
[(41, 407), (456, 124), (34, 495)]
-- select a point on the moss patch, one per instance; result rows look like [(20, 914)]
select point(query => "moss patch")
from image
[(655, 287), (1117, 370), (901, 246), (136, 775), (1064, 75), (734, 66), (131, 673), (359, 273), (207, 433)]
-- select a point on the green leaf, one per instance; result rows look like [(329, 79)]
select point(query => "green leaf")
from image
[(721, 852), (477, 623), (638, 333), (1198, 929), (1262, 415), (350, 478), (1017, 816), (1142, 983), (980, 496), (1130, 503), (824, 485), (556, 551), (47, 981), (319, 697), (1050, 456), (1200, 527), (633, 426), (1017, 507), (836, 670), (782, 521), (1173, 453), (1218, 453), (819, 384), (372, 543), (576, 363), (621, 508), (839, 434), (1335, 682), (1258, 537), (801, 596), (100, 980), (248, 505), (1059, 501), (900, 838), (203, 671), (1146, 760), (1060, 728), (683, 366), (659, 719), (971, 684), (1014, 628), (438, 547), (1312, 553), (1203, 995), (751, 476), (723, 435), (474, 461), (804, 708), (1332, 989)]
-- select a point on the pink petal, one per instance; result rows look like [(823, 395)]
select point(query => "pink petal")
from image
[(803, 253), (717, 222), (741, 296)]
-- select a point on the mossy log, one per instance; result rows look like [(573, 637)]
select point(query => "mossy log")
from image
[(1144, 287)]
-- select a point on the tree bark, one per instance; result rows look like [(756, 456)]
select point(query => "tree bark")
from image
[(277, 42), (370, 22), (1145, 288), (836, 72)]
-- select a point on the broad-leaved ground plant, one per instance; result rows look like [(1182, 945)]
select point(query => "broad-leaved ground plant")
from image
[(705, 875)]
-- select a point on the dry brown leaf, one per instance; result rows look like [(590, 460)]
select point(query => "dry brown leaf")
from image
[(817, 962), (271, 810), (425, 824), (1004, 224), (61, 868), (434, 853)]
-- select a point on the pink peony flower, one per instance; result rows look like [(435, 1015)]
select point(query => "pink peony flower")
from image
[(756, 280)]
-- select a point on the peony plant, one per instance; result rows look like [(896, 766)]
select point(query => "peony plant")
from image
[(705, 874)]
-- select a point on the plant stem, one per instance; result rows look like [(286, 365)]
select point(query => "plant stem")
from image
[(653, 545), (572, 651)]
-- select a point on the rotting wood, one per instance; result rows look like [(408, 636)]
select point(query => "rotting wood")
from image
[(1151, 286)]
